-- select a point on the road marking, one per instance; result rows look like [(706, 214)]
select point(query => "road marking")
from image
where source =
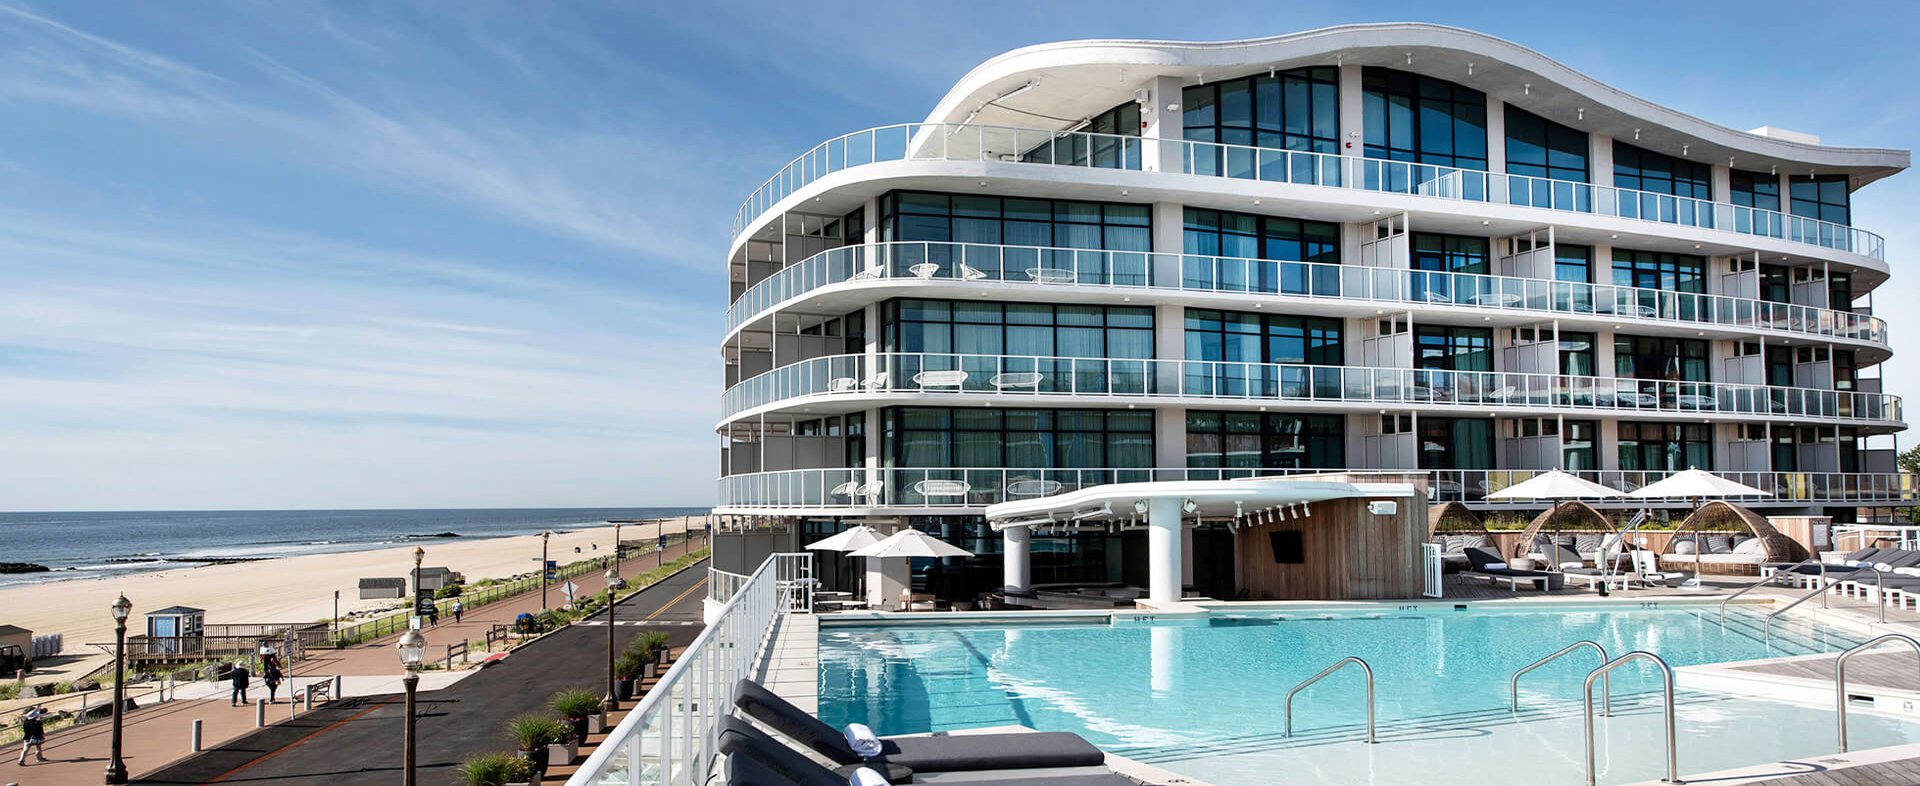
[(677, 598)]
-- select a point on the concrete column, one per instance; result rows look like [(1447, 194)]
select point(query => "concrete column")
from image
[(1170, 442), (1600, 158), (1352, 114), (1169, 347), (1186, 555), (1160, 122), (1164, 549), (1497, 137), (871, 216), (1722, 180), (1017, 560), (1169, 242)]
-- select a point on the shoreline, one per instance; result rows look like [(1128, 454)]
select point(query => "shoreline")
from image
[(294, 589)]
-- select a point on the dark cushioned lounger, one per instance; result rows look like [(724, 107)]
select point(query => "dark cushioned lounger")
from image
[(765, 761), (947, 753)]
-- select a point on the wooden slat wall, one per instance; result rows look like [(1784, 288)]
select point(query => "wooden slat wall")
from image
[(1350, 554)]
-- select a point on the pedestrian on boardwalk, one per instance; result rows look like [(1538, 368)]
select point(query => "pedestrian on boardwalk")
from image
[(456, 611), (239, 679), (270, 676), (433, 616), (33, 736)]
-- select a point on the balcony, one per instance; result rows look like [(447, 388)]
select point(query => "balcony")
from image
[(1007, 379), (968, 490), (963, 142), (957, 264)]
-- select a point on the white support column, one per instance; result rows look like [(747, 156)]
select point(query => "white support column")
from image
[(1017, 561), (1497, 139), (1600, 158), (1164, 549), (1162, 127), (1352, 112)]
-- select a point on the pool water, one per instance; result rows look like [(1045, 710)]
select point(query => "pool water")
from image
[(1204, 697)]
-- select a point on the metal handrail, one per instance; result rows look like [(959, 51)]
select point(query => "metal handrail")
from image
[(1764, 582), (1513, 686), (1666, 674), (1342, 663), (1840, 677), (1820, 590)]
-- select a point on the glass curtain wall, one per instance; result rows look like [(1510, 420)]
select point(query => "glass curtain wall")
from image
[(1298, 109), (1665, 447), (1041, 338), (1211, 234), (1540, 148), (1456, 443), (1236, 344), (1044, 444), (1037, 225), (1240, 443), (1424, 120), (1440, 254)]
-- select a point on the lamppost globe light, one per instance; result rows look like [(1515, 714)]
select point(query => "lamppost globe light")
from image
[(413, 649), (121, 608)]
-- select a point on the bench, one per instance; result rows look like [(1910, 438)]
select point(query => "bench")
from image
[(940, 379)]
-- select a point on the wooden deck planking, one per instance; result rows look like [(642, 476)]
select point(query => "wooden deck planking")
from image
[(1894, 668), (1903, 772)]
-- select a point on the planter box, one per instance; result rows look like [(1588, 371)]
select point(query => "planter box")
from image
[(560, 755), (597, 724)]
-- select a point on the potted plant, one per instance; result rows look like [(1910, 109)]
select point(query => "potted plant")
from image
[(576, 706), (495, 769), (627, 670), (532, 734), (653, 645), (519, 772)]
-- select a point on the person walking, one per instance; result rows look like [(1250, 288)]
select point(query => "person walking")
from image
[(33, 735), (270, 676), (456, 611), (433, 615), (239, 679)]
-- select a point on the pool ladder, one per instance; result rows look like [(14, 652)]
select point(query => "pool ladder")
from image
[(1513, 685), (1666, 678), (1338, 665), (1840, 677)]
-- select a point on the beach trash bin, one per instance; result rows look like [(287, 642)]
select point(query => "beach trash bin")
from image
[(523, 623)]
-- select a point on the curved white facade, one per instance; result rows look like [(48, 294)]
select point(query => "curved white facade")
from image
[(1393, 247)]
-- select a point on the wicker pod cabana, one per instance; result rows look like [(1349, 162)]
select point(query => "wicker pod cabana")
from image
[(1569, 516), (1723, 518), (1454, 527)]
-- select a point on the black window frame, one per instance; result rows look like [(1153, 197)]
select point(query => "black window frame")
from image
[(1639, 169), (1264, 441), (1421, 98), (1558, 145)]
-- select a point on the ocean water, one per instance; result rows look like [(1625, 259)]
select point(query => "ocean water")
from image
[(93, 545)]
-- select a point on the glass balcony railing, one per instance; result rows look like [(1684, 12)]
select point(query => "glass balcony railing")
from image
[(1012, 376), (968, 489), (964, 142), (1067, 267)]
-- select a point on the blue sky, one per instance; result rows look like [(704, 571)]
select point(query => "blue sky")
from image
[(265, 255)]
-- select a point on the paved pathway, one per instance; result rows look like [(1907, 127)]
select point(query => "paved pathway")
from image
[(363, 745)]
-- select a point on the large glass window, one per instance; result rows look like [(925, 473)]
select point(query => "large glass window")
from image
[(1272, 440), (1577, 354), (1447, 348), (1013, 221), (1028, 329), (1775, 285), (1577, 440), (1456, 443), (1572, 263), (1263, 338), (1538, 147), (1665, 447), (1297, 109), (1659, 173), (1660, 358), (1755, 189), (1659, 270), (1099, 148), (1821, 196), (1450, 253), (1212, 233), (930, 437), (1414, 117)]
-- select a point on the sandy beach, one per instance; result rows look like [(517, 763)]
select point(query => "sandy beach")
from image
[(291, 589)]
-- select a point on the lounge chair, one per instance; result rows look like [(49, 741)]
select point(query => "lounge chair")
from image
[(951, 753), (1486, 563), (1575, 569), (755, 758)]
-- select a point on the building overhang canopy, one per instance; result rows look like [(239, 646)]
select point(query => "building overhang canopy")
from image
[(1216, 499)]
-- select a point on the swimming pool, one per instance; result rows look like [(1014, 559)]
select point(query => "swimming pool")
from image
[(1203, 697)]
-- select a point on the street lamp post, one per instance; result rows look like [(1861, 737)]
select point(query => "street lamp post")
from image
[(419, 555), (543, 570), (613, 692), (413, 650), (117, 769), (336, 616)]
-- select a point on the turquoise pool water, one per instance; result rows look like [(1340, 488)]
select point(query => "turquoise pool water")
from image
[(1204, 698)]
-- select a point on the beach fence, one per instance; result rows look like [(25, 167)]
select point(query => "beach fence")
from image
[(474, 597)]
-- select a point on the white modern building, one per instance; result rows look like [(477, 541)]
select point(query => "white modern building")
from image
[(1396, 247)]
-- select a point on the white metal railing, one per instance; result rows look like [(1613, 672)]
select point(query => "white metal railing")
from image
[(972, 142), (829, 490), (1042, 266), (1009, 376), (669, 739), (1435, 567), (721, 585)]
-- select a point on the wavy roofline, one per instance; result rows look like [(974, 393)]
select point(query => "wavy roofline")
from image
[(1237, 57)]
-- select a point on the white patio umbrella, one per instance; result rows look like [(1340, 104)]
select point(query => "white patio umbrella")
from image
[(887, 560), (851, 539), (911, 542), (1694, 485), (1558, 487)]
